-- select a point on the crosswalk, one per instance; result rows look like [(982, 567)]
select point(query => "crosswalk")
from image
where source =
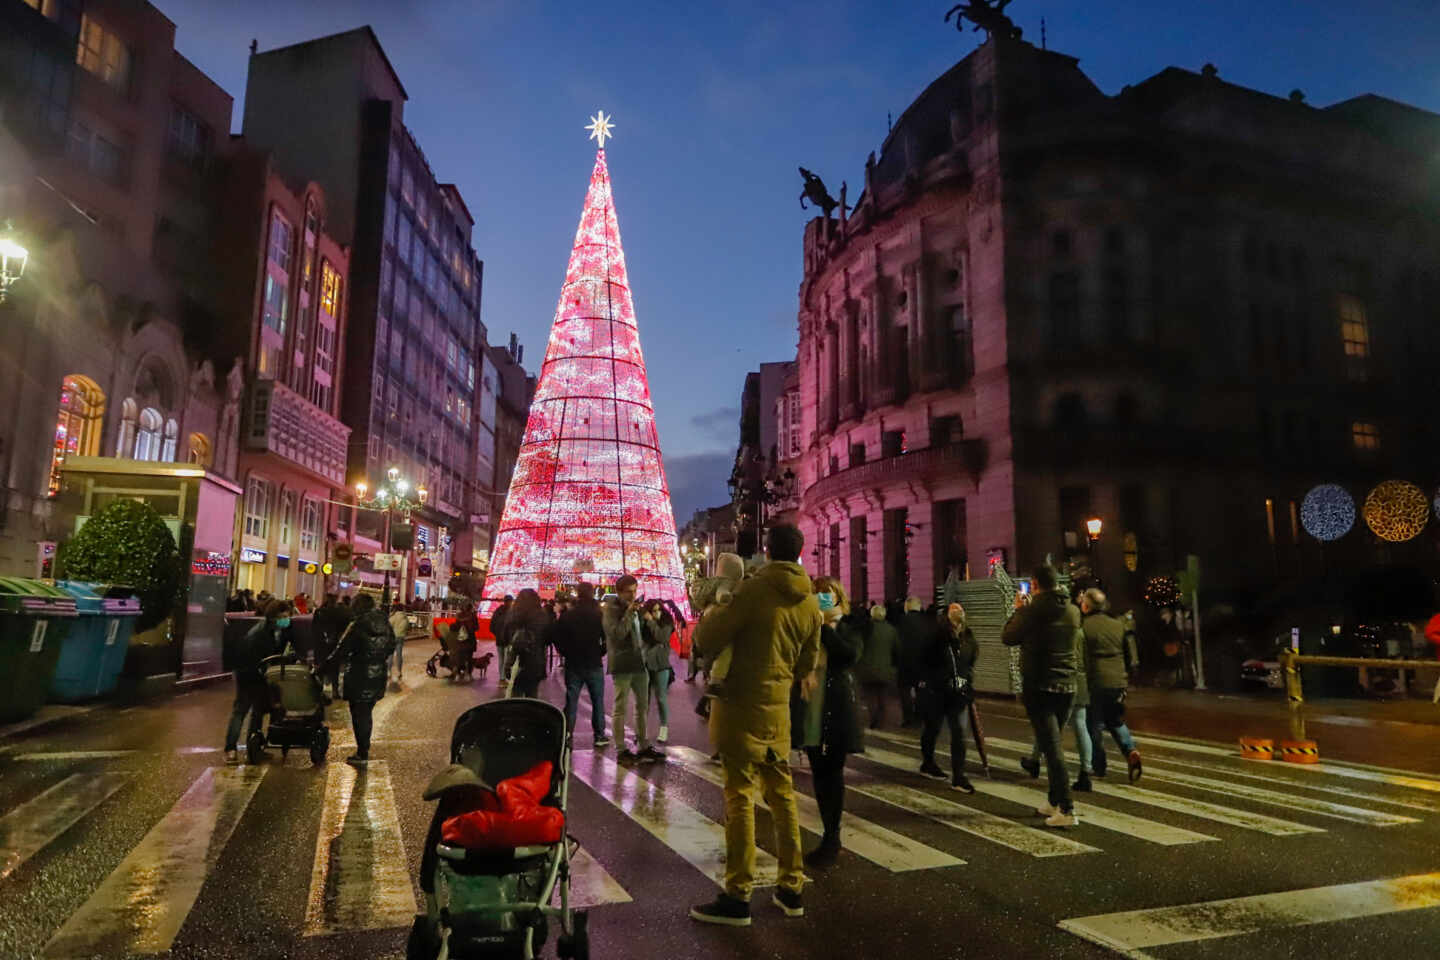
[(361, 874)]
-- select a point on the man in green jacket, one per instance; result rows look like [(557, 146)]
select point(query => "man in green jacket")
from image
[(772, 627), (1106, 652), (1045, 630)]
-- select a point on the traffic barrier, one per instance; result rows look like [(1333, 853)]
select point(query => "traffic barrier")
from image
[(1299, 751), (1257, 748)]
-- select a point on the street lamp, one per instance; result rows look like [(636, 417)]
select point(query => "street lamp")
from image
[(389, 497), (1093, 526), (13, 258)]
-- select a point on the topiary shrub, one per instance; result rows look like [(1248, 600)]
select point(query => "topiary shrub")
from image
[(127, 543)]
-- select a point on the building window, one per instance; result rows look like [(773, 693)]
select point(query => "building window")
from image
[(148, 440), (281, 237), (257, 508), (125, 443), (107, 157), (1065, 307), (1364, 435), (104, 54), (321, 394), (329, 289), (1355, 336), (189, 137), (287, 517), (200, 450), (963, 358), (309, 528), (78, 425), (172, 440)]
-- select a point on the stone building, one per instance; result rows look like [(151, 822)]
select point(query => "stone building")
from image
[(108, 138), (1174, 310)]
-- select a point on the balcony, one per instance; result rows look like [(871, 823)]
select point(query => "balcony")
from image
[(280, 421), (966, 456)]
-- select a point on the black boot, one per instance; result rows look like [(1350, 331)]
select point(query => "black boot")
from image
[(825, 855)]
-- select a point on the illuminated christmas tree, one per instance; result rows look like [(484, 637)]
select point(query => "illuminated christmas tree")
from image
[(588, 499)]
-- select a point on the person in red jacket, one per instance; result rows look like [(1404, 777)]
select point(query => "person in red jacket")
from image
[(1432, 633)]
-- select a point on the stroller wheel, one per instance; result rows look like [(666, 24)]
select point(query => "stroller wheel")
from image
[(320, 746), (255, 746), (575, 946)]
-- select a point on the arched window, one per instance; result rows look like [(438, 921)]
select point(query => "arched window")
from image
[(200, 450), (125, 442), (147, 434), (172, 438), (78, 424)]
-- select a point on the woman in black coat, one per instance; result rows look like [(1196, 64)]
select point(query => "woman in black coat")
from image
[(826, 720), (944, 693), (366, 646), (527, 632)]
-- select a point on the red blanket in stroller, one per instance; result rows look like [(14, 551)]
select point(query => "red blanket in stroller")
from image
[(512, 816)]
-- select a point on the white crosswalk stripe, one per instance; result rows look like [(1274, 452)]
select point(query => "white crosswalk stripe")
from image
[(33, 825), (140, 907), (698, 840), (360, 879), (880, 845)]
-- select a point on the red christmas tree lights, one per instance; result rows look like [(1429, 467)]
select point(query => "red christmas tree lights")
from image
[(588, 499)]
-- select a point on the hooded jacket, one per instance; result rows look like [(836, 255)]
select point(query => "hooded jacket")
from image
[(624, 648), (656, 634), (579, 636), (1045, 631), (772, 627), (367, 643)]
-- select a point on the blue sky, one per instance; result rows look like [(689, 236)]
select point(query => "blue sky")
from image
[(715, 106)]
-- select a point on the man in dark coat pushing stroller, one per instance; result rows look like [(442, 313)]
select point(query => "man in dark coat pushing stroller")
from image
[(366, 646)]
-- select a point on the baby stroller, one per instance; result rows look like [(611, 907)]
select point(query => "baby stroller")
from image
[(489, 903), (439, 659), (297, 710)]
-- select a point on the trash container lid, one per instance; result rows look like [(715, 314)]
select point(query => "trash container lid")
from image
[(18, 595), (100, 598)]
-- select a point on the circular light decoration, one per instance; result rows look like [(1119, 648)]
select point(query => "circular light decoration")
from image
[(1327, 512), (1397, 511), (1437, 504)]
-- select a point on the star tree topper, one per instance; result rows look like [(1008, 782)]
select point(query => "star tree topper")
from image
[(600, 128)]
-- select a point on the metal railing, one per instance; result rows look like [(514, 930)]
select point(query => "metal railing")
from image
[(1291, 662)]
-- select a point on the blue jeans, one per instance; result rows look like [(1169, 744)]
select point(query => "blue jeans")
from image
[(593, 680), (1079, 722), (660, 693), (252, 697), (1109, 714)]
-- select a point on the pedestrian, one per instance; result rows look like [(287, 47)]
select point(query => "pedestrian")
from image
[(772, 625), (944, 694), (502, 651), (527, 632), (917, 634), (330, 622), (580, 640), (469, 622), (365, 647), (827, 722), (1078, 721), (1044, 629), (620, 618), (252, 697), (878, 660), (400, 626), (659, 627), (1106, 653)]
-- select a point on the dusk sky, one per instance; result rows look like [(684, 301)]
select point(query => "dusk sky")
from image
[(715, 105)]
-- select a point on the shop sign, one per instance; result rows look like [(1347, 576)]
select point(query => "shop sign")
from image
[(213, 563), (327, 569), (309, 566), (249, 555)]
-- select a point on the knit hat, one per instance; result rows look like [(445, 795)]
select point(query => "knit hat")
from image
[(730, 567), (877, 612)]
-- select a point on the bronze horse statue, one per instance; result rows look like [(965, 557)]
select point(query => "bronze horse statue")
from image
[(986, 16), (816, 193)]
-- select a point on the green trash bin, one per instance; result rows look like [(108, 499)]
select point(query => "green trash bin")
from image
[(34, 620), (93, 653)]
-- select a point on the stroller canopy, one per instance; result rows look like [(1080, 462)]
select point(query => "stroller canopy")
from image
[(505, 738)]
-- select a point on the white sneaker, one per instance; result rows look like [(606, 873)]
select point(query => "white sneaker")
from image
[(1047, 810), (664, 736), (1061, 819)]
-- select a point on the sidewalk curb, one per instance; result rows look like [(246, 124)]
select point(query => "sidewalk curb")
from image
[(56, 714)]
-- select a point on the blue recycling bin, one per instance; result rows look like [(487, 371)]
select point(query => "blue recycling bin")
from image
[(93, 652)]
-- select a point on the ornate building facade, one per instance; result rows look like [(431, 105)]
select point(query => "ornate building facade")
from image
[(1173, 310)]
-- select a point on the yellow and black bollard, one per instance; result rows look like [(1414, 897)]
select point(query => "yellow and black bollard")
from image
[(1297, 749)]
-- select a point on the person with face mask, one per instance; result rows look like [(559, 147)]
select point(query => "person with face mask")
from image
[(944, 692), (252, 697), (825, 716)]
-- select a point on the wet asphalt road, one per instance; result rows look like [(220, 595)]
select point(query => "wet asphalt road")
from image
[(122, 833)]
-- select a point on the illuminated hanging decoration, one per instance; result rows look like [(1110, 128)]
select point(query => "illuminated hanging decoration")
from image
[(1327, 512), (1162, 591), (1437, 504), (1397, 511), (588, 496)]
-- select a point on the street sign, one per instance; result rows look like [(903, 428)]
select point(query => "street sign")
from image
[(387, 561), (342, 552)]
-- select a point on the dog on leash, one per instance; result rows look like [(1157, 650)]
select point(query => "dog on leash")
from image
[(482, 664)]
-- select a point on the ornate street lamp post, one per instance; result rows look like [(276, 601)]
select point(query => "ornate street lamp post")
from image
[(1093, 527), (391, 496), (13, 258)]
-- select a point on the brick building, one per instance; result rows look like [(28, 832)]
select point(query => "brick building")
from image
[(1176, 309)]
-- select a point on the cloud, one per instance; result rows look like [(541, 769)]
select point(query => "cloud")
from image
[(722, 423), (698, 480)]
